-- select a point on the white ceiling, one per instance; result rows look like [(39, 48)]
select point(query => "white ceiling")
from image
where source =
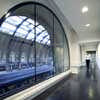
[(72, 11)]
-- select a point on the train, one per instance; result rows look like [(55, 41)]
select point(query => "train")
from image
[(16, 78)]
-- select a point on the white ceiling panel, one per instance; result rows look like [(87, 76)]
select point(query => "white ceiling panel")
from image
[(72, 11)]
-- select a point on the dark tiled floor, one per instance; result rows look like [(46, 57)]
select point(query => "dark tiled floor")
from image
[(84, 86)]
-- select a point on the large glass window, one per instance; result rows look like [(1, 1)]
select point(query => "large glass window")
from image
[(35, 47)]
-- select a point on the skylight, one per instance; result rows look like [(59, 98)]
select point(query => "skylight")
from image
[(23, 27), (31, 35)]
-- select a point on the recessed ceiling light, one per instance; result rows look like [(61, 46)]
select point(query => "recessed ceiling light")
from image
[(87, 25), (84, 9)]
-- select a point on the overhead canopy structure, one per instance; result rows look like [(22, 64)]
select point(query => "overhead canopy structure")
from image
[(23, 27)]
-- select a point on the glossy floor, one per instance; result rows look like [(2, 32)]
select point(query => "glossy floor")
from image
[(84, 86)]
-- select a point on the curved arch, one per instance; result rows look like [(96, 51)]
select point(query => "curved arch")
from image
[(37, 3), (52, 56)]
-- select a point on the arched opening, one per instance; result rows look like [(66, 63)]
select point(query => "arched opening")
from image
[(33, 46)]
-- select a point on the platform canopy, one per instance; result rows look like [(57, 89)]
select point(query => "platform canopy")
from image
[(24, 27)]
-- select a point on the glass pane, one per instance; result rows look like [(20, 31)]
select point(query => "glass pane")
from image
[(48, 42), (30, 26), (44, 54), (21, 33), (45, 39), (31, 21), (39, 37), (66, 55), (38, 30), (8, 31), (31, 35), (58, 47), (15, 20), (24, 28), (41, 27), (7, 28), (22, 17), (26, 23)]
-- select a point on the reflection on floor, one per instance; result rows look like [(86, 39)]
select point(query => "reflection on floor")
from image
[(84, 86)]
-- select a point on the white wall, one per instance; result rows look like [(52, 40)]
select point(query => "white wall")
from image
[(74, 50), (73, 46), (98, 55)]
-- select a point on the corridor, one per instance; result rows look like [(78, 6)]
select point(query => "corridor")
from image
[(84, 86), (45, 46)]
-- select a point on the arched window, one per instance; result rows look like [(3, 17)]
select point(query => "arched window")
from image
[(35, 46)]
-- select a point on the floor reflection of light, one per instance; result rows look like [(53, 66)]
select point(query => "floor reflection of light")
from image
[(91, 92), (75, 70)]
